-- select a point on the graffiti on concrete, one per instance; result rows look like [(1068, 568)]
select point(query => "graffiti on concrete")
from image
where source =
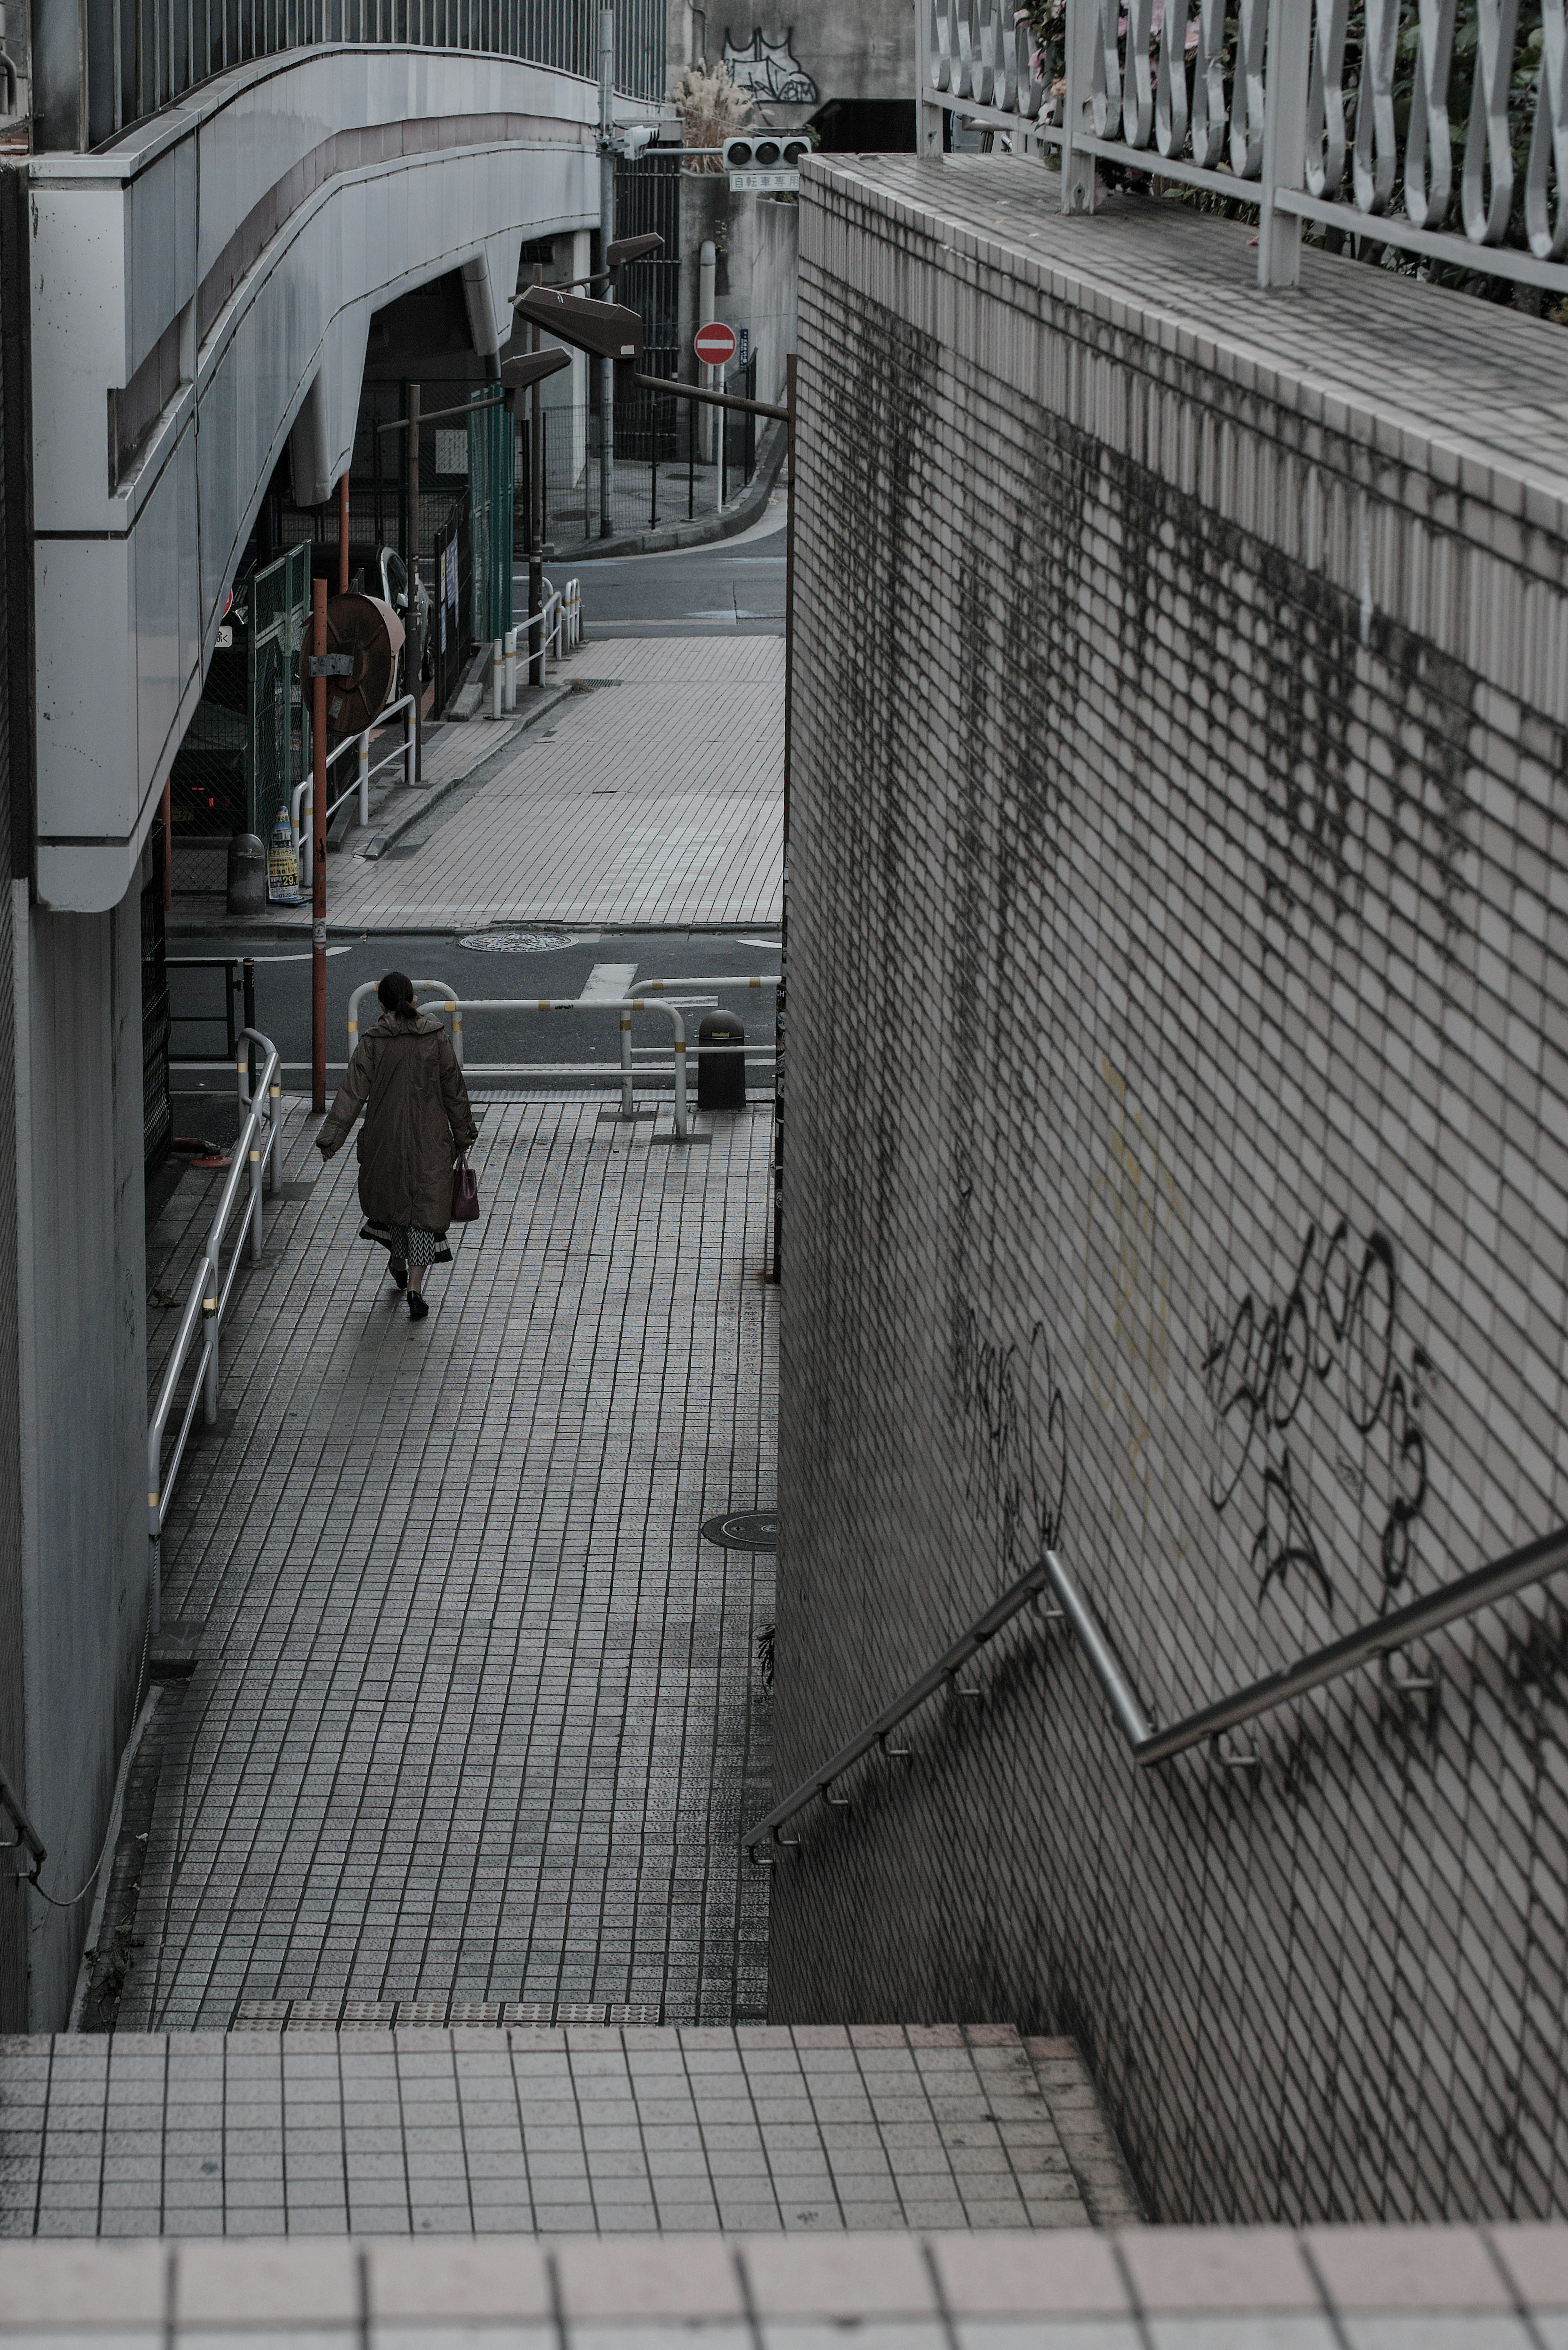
[(1137, 1271), (1016, 1438), (769, 70), (1314, 1375)]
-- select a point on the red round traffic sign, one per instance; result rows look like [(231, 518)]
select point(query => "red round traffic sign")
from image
[(715, 345)]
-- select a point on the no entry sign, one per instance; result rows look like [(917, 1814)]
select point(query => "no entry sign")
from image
[(715, 345)]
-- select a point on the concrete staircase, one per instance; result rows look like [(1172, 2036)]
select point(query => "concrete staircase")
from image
[(588, 2128)]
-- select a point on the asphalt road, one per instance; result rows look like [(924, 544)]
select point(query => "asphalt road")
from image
[(737, 580), (552, 965)]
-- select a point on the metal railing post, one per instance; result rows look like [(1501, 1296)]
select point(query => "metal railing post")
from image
[(497, 675), (258, 1233), (509, 686), (365, 780), (625, 1094), (1284, 141), (210, 1332)]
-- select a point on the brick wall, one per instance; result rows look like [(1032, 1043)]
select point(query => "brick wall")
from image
[(1177, 1150)]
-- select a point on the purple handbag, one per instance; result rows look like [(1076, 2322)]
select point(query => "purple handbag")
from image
[(465, 1192)]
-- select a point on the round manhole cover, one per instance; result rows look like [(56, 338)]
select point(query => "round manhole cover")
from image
[(524, 941), (747, 1530)]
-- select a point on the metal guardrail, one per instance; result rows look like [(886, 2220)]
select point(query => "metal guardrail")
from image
[(1340, 113), (1147, 1742), (251, 1161), (302, 796), (657, 996)]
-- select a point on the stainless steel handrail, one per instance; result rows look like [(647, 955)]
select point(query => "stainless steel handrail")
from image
[(1000, 1611), (254, 1158), (1146, 1742)]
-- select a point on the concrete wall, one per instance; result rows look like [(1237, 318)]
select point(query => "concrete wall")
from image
[(80, 1272), (1177, 1173), (758, 242)]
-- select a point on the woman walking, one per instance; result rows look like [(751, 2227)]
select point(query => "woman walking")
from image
[(405, 1076)]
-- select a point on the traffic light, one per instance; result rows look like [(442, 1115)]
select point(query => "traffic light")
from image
[(766, 150)]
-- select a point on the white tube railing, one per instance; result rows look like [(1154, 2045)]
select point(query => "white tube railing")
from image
[(302, 800), (251, 1163), (654, 997), (1254, 99)]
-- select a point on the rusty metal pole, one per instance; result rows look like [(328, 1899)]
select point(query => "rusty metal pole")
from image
[(343, 535), (319, 850), (779, 1000)]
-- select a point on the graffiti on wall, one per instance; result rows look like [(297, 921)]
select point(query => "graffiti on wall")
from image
[(1138, 1255), (1315, 1373), (1015, 1426), (769, 70)]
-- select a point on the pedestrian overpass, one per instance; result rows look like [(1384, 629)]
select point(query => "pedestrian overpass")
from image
[(209, 242)]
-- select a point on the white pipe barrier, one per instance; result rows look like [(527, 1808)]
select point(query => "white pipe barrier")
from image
[(303, 797), (253, 1160), (655, 997)]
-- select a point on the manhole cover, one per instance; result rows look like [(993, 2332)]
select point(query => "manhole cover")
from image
[(524, 941), (748, 1530)]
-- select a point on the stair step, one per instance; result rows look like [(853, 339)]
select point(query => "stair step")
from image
[(341, 2125)]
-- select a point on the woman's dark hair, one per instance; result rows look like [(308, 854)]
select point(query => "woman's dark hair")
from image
[(396, 992)]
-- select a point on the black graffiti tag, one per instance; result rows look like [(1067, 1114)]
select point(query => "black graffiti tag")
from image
[(1334, 1328), (1015, 1427)]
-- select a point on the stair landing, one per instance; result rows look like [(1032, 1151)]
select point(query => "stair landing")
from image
[(587, 2129)]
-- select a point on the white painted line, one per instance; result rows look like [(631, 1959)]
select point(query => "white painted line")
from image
[(608, 982)]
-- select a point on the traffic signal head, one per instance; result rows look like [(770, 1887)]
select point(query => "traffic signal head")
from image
[(766, 150)]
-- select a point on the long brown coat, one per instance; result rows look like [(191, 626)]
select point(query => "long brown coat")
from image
[(405, 1076)]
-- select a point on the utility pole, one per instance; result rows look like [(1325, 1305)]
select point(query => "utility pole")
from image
[(536, 517), (607, 238)]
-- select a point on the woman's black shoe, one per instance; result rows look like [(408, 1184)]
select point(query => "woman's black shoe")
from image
[(400, 1275), (417, 1309)]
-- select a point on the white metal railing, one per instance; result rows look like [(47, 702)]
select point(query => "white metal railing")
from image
[(252, 1160), (302, 800), (1293, 105), (670, 996)]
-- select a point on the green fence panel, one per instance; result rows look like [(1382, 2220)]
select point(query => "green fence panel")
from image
[(490, 487), (275, 755)]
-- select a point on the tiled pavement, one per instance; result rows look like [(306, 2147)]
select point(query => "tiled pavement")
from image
[(475, 1713), (1499, 2288), (653, 800), (495, 2131)]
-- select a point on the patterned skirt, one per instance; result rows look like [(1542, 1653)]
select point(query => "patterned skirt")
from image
[(408, 1243)]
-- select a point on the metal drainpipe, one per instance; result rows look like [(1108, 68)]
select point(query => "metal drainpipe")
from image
[(707, 295)]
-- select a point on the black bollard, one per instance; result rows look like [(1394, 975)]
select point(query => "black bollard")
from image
[(721, 1076)]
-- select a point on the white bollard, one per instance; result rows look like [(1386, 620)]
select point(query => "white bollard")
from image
[(365, 780), (626, 1100), (510, 695), (497, 675)]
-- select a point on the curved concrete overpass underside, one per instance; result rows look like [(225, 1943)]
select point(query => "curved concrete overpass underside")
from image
[(202, 292)]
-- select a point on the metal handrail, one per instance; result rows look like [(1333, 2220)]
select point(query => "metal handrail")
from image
[(985, 1627), (1146, 1742), (253, 1159)]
